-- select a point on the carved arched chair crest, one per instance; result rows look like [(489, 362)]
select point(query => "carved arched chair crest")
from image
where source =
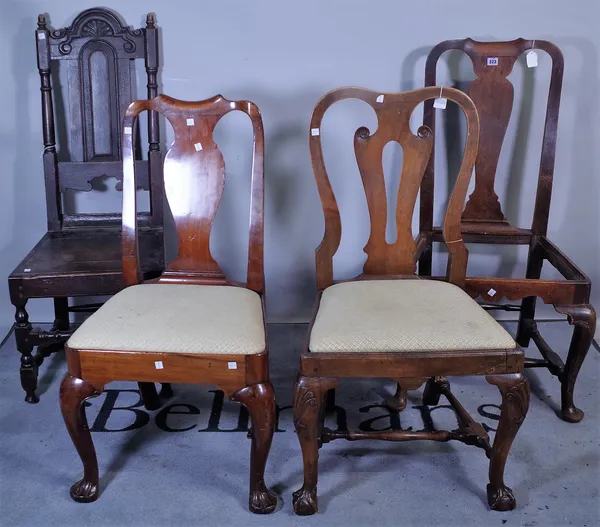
[(393, 111), (98, 23), (194, 175)]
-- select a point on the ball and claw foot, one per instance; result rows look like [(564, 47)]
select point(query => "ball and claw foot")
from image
[(84, 491), (501, 499), (263, 501), (305, 502)]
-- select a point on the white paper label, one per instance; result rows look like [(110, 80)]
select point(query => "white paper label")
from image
[(41, 36), (492, 61), (379, 98), (440, 103), (314, 131), (158, 365), (198, 147), (127, 130), (190, 122), (491, 292), (27, 270), (232, 365), (532, 60)]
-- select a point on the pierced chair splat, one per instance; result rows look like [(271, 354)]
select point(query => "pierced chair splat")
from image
[(389, 323)]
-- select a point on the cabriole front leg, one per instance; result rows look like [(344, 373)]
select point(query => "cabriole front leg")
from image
[(514, 388), (583, 318), (259, 399), (73, 393), (309, 399)]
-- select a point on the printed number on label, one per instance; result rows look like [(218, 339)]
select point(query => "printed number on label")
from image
[(492, 61)]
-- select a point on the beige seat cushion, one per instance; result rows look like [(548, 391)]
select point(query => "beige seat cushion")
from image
[(403, 315), (176, 319)]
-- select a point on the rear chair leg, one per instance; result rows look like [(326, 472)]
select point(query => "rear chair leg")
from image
[(514, 388), (433, 390), (149, 396), (583, 317), (259, 400), (73, 393), (535, 261), (398, 402), (29, 367)]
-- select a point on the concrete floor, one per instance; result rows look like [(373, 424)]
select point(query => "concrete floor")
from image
[(192, 468)]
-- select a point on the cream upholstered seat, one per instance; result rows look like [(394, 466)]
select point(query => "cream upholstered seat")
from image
[(403, 315), (177, 319)]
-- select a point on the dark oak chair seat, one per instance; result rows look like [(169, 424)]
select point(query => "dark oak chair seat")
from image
[(91, 254), (390, 323), (80, 254)]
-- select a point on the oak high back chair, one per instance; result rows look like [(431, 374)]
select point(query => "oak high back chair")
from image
[(484, 222), (80, 254), (190, 325), (389, 323)]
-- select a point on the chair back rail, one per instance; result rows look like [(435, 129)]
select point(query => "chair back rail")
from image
[(194, 179), (393, 112), (493, 95), (97, 51)]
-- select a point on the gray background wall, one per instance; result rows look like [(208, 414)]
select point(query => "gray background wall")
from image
[(284, 57)]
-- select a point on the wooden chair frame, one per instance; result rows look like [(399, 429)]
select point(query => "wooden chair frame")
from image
[(79, 254), (483, 220), (320, 372), (89, 371)]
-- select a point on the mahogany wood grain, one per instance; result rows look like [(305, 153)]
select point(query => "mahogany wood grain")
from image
[(411, 364), (194, 172), (319, 373), (393, 114), (483, 220), (194, 178)]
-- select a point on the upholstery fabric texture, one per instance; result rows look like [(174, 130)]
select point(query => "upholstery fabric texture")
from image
[(403, 315), (176, 318)]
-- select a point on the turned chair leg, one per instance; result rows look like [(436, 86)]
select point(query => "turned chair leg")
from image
[(259, 400), (61, 314), (583, 317), (514, 388), (29, 367), (309, 400), (73, 393)]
